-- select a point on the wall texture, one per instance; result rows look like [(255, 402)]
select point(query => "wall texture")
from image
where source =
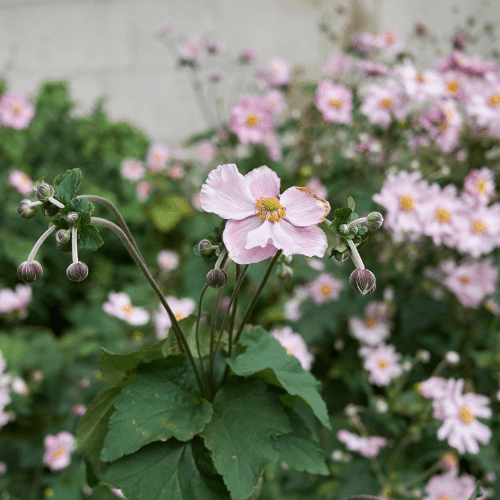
[(109, 47)]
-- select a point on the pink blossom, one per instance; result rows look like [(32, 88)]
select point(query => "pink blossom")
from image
[(197, 202), (480, 185), (249, 55), (21, 182), (132, 169), (472, 66), (190, 51), (166, 29), (383, 103), (370, 331), (325, 288), (420, 87), (181, 308), (120, 306), (334, 102), (19, 299), (15, 111), (273, 146), (260, 220), (79, 410), (251, 118), (461, 412), (317, 187), (364, 43), (276, 99), (168, 260), (382, 363), (278, 74), (205, 151), (294, 345), (372, 68), (484, 105), (337, 64), (377, 309), (450, 486), (389, 42), (157, 158), (58, 449), (459, 41), (143, 190), (176, 172), (435, 388), (18, 385), (368, 447)]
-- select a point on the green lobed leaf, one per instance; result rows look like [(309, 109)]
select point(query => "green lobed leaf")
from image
[(300, 448), (260, 352), (82, 205), (89, 237), (67, 185), (241, 433), (343, 214), (164, 471), (164, 402)]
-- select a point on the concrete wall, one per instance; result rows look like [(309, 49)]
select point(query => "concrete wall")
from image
[(110, 48)]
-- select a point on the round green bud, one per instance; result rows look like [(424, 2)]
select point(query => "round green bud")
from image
[(72, 217), (44, 191), (341, 256), (374, 221), (63, 240), (25, 210), (29, 272), (205, 248), (363, 281), (217, 278), (284, 272), (77, 271), (344, 228), (354, 229)]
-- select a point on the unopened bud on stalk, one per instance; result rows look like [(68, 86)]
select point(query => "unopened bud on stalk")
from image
[(344, 228), (63, 240), (217, 278), (363, 281), (374, 221), (72, 217), (44, 192), (341, 256), (284, 272), (354, 229), (29, 272), (25, 210), (77, 271), (205, 248)]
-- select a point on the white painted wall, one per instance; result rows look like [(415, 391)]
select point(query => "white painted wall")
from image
[(110, 48)]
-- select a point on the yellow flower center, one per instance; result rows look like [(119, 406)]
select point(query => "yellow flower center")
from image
[(479, 227), (464, 280), (407, 202), (382, 364), (390, 38), (57, 453), (386, 103), (252, 120), (481, 186), (452, 86), (466, 416), (270, 209), (289, 352), (25, 180), (158, 156), (448, 111), (444, 497), (325, 290), (494, 100), (180, 315), (443, 214), (442, 125), (335, 103), (421, 78), (370, 322), (451, 460), (128, 309), (16, 110)]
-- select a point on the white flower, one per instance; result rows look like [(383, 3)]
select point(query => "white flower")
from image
[(294, 345), (120, 306)]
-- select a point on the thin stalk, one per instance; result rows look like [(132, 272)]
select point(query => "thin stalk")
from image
[(35, 204), (233, 314), (361, 220), (181, 339), (74, 244), (38, 244), (356, 258), (55, 202), (197, 330)]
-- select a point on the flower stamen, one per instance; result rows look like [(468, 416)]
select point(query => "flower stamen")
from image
[(466, 415), (270, 209)]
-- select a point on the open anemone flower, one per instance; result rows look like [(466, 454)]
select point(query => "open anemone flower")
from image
[(260, 221)]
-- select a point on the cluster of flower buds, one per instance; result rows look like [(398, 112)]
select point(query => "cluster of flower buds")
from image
[(217, 277)]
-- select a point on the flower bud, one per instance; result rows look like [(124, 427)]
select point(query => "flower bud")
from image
[(217, 278), (77, 271), (63, 240), (25, 210), (51, 210), (354, 229), (44, 192), (374, 221), (363, 281), (205, 248), (29, 272), (423, 355), (452, 358), (344, 228), (284, 272), (341, 256), (72, 217)]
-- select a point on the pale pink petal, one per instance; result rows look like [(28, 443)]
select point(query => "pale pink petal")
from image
[(311, 240), (227, 193), (235, 238), (283, 237), (260, 236), (303, 207), (263, 182)]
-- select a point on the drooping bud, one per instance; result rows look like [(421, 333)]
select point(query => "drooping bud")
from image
[(341, 256), (25, 210), (29, 272), (374, 221), (354, 229), (72, 217), (63, 240), (44, 192), (287, 259), (217, 278), (363, 281), (205, 248), (344, 228), (77, 271), (284, 272), (51, 210)]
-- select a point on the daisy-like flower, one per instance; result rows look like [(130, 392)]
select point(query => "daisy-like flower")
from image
[(249, 55), (15, 111), (120, 306), (292, 310), (260, 221), (435, 388), (58, 449), (168, 260), (205, 152), (276, 99), (278, 74), (132, 169), (368, 447), (484, 104), (334, 102), (294, 345), (251, 118), (382, 363), (325, 288), (157, 158), (337, 64), (479, 185), (176, 172), (143, 190), (461, 426), (181, 308), (389, 42), (370, 330), (420, 86), (21, 182), (372, 68), (450, 486)]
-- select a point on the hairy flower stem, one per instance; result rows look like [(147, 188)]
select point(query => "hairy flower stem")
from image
[(55, 202), (181, 339), (74, 244), (197, 333), (38, 244), (356, 258), (233, 313), (361, 220)]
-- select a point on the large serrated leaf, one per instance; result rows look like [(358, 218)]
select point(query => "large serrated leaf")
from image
[(241, 433), (164, 402), (89, 237), (263, 353), (67, 185), (164, 471)]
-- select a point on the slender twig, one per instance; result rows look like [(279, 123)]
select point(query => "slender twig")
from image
[(197, 329), (233, 314), (181, 339), (38, 244)]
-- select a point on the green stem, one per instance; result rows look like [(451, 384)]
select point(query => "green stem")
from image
[(233, 314), (197, 330), (181, 339)]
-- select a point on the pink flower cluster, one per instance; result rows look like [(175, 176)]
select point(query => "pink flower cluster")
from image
[(459, 413), (15, 300), (294, 345), (463, 221), (368, 447)]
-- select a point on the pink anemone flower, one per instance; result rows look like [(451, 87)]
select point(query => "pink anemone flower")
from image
[(260, 221)]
